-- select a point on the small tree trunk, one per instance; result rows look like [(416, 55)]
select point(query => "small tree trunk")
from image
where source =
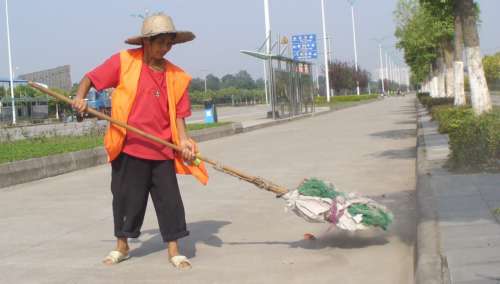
[(448, 61), (458, 87), (434, 83), (480, 95), (459, 84), (441, 75)]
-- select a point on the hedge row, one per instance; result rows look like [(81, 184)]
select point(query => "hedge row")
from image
[(474, 140), (430, 102), (320, 100)]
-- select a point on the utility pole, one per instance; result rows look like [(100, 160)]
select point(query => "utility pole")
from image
[(327, 72), (268, 46), (13, 103), (355, 45), (205, 74), (381, 67), (387, 73)]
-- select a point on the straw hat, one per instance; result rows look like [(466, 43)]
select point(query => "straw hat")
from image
[(160, 24)]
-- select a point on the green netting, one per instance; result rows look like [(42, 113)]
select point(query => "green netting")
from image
[(318, 188), (371, 216)]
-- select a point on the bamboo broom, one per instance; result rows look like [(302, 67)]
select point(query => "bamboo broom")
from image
[(258, 181)]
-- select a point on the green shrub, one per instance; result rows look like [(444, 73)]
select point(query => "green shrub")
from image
[(449, 116), (430, 102), (320, 100), (475, 141), (422, 95), (353, 98)]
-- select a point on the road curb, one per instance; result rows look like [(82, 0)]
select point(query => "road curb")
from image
[(38, 168), (430, 266)]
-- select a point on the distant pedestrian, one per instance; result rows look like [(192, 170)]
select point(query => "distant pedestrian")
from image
[(151, 94)]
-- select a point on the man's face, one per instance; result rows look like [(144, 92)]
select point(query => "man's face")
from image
[(159, 45)]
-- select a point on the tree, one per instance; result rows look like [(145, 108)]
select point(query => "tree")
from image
[(74, 89), (459, 88), (465, 15), (259, 83), (240, 80), (343, 76), (26, 91), (213, 82), (480, 95), (441, 21), (228, 80), (491, 66), (244, 80), (3, 92), (424, 31), (197, 84)]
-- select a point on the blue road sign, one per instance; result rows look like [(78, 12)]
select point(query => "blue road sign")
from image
[(304, 47)]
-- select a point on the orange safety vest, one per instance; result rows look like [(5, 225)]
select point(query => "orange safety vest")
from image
[(123, 98)]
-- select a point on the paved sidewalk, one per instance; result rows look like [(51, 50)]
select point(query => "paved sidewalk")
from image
[(469, 234), (58, 229)]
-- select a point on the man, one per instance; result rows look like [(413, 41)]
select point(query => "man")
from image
[(150, 94)]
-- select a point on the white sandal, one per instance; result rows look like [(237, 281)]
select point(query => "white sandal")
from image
[(115, 257), (178, 260)]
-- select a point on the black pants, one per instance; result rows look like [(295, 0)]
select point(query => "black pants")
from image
[(132, 179)]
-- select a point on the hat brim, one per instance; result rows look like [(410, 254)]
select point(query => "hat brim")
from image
[(180, 37)]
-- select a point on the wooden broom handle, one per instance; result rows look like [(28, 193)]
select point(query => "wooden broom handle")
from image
[(274, 188), (105, 117)]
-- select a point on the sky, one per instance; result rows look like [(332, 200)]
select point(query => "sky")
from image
[(51, 33)]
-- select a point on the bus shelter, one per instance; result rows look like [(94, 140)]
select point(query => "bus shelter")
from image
[(290, 85)]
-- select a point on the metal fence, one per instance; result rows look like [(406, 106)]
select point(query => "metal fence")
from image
[(30, 109)]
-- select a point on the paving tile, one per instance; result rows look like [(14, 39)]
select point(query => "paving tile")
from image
[(476, 273)]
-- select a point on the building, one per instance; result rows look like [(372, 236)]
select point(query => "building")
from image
[(58, 77)]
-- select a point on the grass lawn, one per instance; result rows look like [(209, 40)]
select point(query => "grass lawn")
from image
[(46, 146), (41, 147)]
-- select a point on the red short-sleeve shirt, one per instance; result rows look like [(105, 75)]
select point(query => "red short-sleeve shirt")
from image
[(149, 111)]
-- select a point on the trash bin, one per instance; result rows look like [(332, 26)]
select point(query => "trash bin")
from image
[(210, 111)]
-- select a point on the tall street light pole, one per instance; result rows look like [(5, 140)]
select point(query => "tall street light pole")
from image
[(325, 49), (381, 67), (268, 46), (205, 74), (355, 45), (10, 65), (387, 73), (391, 73)]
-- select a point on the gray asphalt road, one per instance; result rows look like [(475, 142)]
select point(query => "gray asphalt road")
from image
[(57, 230)]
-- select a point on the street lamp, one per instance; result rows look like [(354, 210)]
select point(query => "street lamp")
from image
[(387, 73), (381, 68), (327, 72), (205, 73), (381, 71), (355, 45), (268, 46), (10, 65)]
